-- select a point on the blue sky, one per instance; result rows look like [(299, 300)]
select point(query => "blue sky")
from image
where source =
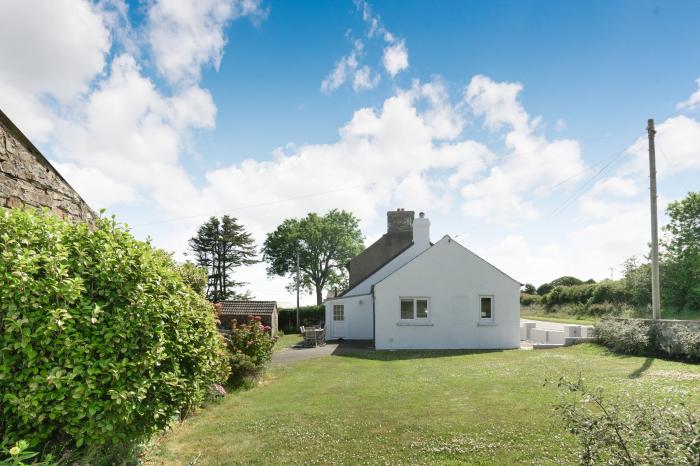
[(495, 118)]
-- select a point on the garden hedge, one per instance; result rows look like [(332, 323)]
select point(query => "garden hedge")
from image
[(101, 341), (645, 337), (308, 315)]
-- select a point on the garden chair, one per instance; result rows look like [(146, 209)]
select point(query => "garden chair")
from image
[(310, 338), (321, 338)]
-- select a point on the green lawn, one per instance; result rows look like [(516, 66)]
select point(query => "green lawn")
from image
[(410, 407), (285, 341)]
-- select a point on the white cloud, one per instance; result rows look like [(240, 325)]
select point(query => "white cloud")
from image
[(395, 58), (560, 125), (677, 148), (188, 34), (350, 68), (364, 79), (51, 47), (532, 166), (344, 69), (382, 155), (616, 186), (586, 251), (131, 133), (692, 102)]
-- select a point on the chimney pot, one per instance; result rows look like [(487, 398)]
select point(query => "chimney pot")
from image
[(421, 215)]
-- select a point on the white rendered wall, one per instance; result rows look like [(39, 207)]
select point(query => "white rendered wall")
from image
[(453, 278), (358, 318)]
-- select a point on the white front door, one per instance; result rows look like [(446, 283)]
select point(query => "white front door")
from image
[(338, 322)]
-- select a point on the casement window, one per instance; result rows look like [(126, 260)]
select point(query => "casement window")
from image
[(486, 309), (414, 308), (338, 312)]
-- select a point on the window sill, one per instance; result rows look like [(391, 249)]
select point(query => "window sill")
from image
[(487, 324), (406, 323)]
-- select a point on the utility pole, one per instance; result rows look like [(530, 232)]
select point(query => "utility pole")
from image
[(612, 269), (655, 292), (297, 287)]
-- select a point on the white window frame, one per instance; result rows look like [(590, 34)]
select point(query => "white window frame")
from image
[(487, 320), (415, 318), (341, 308)]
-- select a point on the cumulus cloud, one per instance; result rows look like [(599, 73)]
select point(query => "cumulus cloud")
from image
[(130, 132), (53, 47), (50, 50), (532, 166), (187, 34), (677, 143), (382, 156)]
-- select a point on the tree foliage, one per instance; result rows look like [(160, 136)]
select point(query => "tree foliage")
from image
[(324, 244), (220, 246), (101, 341), (681, 254)]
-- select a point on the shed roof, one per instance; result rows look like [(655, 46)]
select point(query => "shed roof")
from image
[(256, 308)]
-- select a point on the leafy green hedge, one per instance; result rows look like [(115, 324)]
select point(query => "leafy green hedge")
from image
[(101, 341), (644, 337), (308, 315)]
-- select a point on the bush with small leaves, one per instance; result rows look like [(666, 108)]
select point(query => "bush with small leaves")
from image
[(629, 336), (101, 341), (629, 429)]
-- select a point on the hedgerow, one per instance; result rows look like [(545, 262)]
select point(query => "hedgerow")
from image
[(101, 341)]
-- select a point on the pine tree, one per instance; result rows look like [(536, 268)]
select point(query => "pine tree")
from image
[(220, 246)]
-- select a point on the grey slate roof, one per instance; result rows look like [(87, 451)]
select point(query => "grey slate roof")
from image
[(245, 308)]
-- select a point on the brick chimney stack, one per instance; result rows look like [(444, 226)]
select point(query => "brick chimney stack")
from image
[(399, 221)]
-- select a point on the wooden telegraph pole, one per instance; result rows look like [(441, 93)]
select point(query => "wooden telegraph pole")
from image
[(298, 283), (655, 290)]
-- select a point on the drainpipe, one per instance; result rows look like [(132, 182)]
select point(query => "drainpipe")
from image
[(374, 319)]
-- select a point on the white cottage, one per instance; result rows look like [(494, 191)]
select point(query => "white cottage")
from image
[(406, 292)]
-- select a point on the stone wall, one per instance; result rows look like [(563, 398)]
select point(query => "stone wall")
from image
[(28, 179)]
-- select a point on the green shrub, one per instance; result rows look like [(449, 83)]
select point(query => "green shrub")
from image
[(101, 342), (686, 343), (308, 315), (629, 336), (529, 299), (629, 430), (194, 276), (250, 349)]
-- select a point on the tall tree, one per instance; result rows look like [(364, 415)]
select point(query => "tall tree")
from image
[(324, 245), (221, 246), (681, 278)]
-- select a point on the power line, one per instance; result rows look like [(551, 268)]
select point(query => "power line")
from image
[(589, 183)]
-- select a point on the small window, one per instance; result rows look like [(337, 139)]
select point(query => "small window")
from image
[(414, 308), (338, 312), (487, 308)]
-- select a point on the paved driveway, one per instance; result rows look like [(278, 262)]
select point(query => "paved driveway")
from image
[(299, 353)]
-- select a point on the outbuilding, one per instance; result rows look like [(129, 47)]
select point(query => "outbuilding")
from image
[(240, 310), (421, 295)]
